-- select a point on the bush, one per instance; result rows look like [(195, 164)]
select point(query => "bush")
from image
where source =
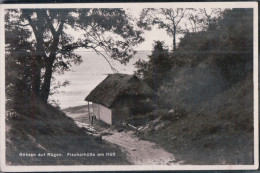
[(174, 115), (142, 107)]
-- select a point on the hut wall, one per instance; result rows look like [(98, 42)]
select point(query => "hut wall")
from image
[(122, 109), (102, 113), (119, 114), (105, 114)]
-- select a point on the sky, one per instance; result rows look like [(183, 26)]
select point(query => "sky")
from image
[(153, 35), (157, 35), (149, 36), (161, 34)]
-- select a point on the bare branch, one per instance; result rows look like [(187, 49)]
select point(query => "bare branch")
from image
[(99, 53), (183, 13)]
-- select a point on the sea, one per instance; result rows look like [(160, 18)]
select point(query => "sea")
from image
[(86, 76)]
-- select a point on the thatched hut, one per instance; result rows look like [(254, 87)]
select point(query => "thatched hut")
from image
[(117, 97)]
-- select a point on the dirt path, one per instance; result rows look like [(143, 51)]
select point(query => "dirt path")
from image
[(139, 152)]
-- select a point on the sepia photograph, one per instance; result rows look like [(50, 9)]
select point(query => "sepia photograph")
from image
[(129, 86)]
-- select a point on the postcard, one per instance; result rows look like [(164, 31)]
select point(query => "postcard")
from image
[(129, 86)]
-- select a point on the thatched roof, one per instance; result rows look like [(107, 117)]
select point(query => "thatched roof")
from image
[(115, 85)]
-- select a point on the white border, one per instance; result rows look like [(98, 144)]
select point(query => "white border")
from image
[(256, 99), (2, 90), (6, 168), (140, 5)]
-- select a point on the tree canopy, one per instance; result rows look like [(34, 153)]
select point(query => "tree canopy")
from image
[(156, 68), (178, 21), (222, 52), (165, 18), (47, 38)]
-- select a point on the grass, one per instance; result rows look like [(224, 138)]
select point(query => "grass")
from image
[(219, 133), (51, 131)]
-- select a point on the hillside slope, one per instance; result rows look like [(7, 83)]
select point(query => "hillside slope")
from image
[(220, 132), (51, 131)]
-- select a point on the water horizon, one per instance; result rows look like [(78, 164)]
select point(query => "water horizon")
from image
[(85, 77)]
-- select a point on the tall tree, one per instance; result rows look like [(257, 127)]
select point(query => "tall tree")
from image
[(210, 16), (178, 21), (109, 32), (155, 70), (165, 18)]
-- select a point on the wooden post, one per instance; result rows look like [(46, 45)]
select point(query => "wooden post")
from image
[(88, 112), (92, 108)]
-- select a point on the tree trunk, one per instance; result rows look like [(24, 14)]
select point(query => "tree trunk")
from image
[(37, 72), (174, 38), (39, 53), (45, 89), (36, 65)]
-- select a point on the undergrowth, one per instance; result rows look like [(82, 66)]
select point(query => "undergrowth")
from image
[(219, 132), (49, 130)]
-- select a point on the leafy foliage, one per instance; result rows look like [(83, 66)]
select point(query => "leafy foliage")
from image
[(229, 45), (205, 63), (179, 21), (165, 18), (44, 35), (156, 68), (18, 65)]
